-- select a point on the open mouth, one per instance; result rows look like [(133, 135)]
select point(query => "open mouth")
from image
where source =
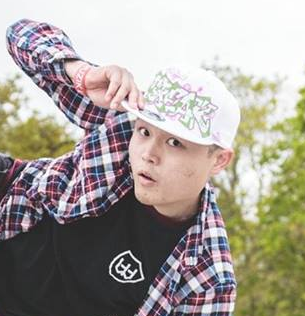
[(146, 176)]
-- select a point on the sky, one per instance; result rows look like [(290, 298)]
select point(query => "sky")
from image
[(262, 37)]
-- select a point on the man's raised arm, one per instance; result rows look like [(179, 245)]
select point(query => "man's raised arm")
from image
[(45, 53)]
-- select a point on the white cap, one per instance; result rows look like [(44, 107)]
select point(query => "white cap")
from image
[(192, 104)]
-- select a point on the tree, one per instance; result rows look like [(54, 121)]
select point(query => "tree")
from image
[(11, 97), (268, 249), (33, 137), (282, 220), (242, 185)]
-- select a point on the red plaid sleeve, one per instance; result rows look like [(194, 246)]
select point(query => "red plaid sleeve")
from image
[(40, 50)]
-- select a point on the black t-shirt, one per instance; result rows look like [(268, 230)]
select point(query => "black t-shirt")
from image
[(97, 266)]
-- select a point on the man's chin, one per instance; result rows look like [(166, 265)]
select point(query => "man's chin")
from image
[(144, 197)]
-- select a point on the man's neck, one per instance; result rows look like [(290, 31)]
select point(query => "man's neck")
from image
[(179, 211)]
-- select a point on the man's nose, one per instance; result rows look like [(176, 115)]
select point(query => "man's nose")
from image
[(151, 153)]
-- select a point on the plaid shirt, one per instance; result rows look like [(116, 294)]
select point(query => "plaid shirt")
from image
[(197, 277)]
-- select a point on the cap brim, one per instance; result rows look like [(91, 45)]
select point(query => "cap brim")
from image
[(166, 124)]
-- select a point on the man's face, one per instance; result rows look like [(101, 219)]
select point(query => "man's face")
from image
[(169, 172)]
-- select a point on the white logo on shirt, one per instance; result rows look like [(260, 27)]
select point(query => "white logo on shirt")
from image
[(126, 268)]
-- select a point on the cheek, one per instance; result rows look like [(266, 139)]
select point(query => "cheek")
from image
[(182, 178), (188, 173), (184, 169), (133, 150), (188, 178)]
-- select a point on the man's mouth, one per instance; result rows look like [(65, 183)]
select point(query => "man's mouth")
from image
[(146, 177)]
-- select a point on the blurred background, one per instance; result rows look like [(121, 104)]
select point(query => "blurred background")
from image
[(258, 49)]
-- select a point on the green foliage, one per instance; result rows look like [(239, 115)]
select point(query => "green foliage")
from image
[(257, 98), (268, 252), (41, 137), (31, 138), (282, 219), (10, 99)]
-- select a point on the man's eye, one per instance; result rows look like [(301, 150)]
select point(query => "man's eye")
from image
[(174, 142), (143, 131)]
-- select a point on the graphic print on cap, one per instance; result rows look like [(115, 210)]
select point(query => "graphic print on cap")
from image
[(174, 97), (126, 268)]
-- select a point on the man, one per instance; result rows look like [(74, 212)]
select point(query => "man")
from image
[(151, 240)]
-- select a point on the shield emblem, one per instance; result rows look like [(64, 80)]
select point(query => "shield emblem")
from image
[(126, 268)]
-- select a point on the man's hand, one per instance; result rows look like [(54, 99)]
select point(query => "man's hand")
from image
[(108, 86)]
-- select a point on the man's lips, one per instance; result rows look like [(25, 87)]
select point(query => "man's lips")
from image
[(146, 176)]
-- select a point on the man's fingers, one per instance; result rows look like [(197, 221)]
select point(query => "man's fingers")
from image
[(121, 86), (119, 108), (115, 81), (141, 100), (123, 90), (133, 97)]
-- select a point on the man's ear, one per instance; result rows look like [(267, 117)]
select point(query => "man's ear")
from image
[(222, 159)]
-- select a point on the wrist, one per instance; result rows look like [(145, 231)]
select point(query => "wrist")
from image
[(72, 66), (79, 79)]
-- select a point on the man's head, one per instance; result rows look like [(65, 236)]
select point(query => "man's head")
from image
[(182, 137)]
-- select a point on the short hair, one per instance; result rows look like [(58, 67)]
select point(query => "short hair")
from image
[(212, 148)]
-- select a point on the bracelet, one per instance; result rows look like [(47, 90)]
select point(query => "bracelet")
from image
[(79, 79)]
